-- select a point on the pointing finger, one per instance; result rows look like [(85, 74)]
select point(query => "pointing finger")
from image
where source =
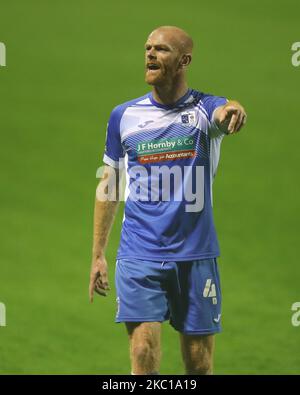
[(232, 123), (242, 123), (238, 123)]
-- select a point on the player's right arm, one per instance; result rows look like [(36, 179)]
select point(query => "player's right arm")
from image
[(106, 204)]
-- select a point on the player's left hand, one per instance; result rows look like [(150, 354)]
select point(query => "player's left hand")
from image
[(231, 117)]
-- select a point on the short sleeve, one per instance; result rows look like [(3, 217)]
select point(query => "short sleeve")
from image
[(114, 153), (210, 104)]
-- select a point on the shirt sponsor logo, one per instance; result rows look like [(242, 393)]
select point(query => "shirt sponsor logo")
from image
[(166, 149)]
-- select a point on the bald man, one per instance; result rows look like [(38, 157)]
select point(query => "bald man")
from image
[(168, 141)]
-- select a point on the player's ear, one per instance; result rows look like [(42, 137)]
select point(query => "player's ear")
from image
[(186, 60)]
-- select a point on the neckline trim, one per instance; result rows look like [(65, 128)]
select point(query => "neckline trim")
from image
[(169, 106)]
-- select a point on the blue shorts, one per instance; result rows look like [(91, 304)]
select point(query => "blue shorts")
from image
[(186, 293)]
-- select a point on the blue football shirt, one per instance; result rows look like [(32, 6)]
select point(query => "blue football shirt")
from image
[(170, 154)]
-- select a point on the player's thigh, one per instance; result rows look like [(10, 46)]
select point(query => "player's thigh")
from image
[(196, 308), (140, 293)]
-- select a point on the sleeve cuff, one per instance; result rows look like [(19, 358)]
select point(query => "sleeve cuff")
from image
[(215, 131), (113, 163)]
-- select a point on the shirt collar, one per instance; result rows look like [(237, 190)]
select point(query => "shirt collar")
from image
[(178, 104)]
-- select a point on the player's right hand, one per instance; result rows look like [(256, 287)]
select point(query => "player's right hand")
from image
[(98, 278)]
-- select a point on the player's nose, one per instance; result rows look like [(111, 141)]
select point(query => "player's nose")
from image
[(151, 54)]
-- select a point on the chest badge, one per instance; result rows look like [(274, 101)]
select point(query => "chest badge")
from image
[(188, 118)]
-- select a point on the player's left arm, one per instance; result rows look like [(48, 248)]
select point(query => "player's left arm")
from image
[(230, 117)]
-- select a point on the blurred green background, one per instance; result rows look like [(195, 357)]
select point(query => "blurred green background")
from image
[(68, 64)]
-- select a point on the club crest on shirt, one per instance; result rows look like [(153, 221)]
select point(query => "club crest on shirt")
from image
[(188, 118)]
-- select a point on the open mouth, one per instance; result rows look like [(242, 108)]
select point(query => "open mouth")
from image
[(152, 66)]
